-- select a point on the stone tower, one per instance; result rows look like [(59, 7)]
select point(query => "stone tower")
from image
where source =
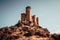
[(23, 16), (28, 13), (34, 20), (37, 21)]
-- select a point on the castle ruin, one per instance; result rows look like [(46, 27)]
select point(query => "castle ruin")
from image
[(28, 19)]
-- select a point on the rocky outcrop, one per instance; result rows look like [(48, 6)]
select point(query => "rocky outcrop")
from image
[(24, 33), (56, 36), (26, 29)]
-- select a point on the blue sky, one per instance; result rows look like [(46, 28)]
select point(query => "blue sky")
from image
[(48, 12)]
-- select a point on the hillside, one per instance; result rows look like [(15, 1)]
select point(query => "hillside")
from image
[(26, 29)]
